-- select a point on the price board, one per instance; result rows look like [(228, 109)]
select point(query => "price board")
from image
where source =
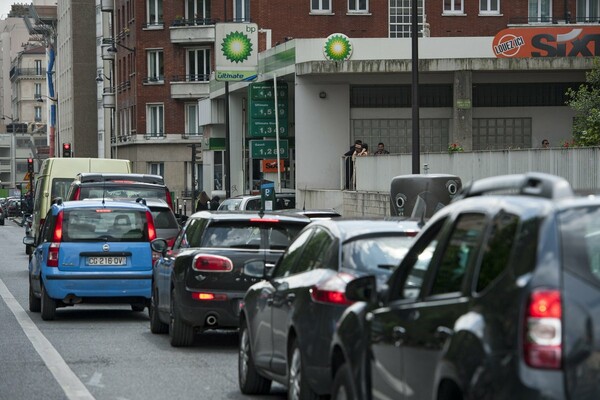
[(261, 121), (267, 148)]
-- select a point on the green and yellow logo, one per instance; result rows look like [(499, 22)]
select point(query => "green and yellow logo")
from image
[(236, 47), (337, 47)]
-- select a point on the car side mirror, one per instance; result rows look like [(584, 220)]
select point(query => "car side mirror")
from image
[(160, 246), (362, 289), (255, 269), (29, 241)]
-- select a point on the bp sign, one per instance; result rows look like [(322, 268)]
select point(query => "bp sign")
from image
[(236, 52)]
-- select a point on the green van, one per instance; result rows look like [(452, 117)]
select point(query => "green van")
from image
[(55, 177)]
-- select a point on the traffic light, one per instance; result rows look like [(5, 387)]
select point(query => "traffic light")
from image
[(30, 165), (66, 150)]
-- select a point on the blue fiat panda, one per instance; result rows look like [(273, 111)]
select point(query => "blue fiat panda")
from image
[(91, 251)]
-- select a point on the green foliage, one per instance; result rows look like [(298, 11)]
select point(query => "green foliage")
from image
[(586, 102)]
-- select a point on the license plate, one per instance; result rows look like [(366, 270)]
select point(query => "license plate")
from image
[(106, 260)]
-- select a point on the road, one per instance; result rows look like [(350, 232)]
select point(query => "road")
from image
[(101, 352)]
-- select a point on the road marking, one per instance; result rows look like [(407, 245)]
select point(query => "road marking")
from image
[(66, 378), (95, 380)]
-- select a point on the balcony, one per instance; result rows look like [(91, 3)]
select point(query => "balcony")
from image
[(192, 31), (190, 86), (107, 5), (108, 50), (108, 98)]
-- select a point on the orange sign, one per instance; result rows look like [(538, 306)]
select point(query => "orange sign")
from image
[(567, 41), (271, 165)]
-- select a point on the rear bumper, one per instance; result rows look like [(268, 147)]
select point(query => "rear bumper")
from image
[(195, 312), (109, 285)]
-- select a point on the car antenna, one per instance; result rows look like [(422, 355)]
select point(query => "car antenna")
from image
[(103, 191)]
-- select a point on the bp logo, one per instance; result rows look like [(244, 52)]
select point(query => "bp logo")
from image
[(236, 47), (337, 47)]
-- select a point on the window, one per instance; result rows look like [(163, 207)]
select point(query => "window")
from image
[(198, 10), (218, 170), (156, 168), (292, 255), (587, 11), (241, 10), (38, 67), (489, 6), (154, 12), (198, 65), (358, 6), (38, 91), (317, 252), (400, 24), (460, 254), (453, 6), (191, 119), (156, 67), (320, 6), (540, 11), (155, 120), (38, 114)]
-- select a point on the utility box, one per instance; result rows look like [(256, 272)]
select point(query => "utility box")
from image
[(422, 195)]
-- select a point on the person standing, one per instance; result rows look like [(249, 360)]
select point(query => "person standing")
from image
[(381, 150), (349, 160), (203, 202), (545, 144), (214, 203)]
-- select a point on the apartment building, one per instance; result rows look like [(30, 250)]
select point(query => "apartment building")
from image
[(167, 102)]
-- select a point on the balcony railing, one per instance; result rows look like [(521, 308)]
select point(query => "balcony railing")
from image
[(16, 72), (197, 30), (160, 79)]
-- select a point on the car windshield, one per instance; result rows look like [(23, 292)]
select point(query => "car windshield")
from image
[(123, 191), (164, 218), (248, 235), (230, 204), (115, 225), (375, 254)]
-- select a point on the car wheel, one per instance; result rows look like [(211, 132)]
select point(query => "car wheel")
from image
[(48, 306), (298, 388), (180, 333), (35, 303), (249, 380), (156, 325), (343, 388), (137, 307)]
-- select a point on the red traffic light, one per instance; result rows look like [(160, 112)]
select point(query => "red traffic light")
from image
[(66, 150)]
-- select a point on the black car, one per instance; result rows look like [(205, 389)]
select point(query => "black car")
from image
[(287, 320), (2, 215), (199, 283), (497, 298)]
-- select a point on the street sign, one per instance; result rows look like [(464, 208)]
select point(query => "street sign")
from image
[(268, 149)]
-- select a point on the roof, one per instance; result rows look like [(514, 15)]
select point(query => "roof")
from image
[(351, 228), (247, 215)]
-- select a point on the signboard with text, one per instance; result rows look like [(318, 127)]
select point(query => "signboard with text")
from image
[(261, 114), (236, 52), (267, 148), (565, 41)]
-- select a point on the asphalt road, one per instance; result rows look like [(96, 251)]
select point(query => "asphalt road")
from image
[(101, 352)]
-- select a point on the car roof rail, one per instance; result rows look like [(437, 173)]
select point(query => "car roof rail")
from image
[(107, 177), (536, 184)]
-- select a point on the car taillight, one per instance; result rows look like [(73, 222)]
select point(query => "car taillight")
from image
[(543, 330), (151, 229), (58, 228), (77, 194), (274, 220), (212, 263), (202, 296), (53, 254), (170, 200), (332, 290)]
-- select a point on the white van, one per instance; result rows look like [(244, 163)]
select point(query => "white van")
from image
[(55, 177)]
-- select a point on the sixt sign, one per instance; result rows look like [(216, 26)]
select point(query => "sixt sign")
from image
[(547, 42)]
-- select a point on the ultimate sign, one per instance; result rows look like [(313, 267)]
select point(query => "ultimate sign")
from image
[(565, 41)]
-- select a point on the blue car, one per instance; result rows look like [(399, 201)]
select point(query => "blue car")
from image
[(91, 251)]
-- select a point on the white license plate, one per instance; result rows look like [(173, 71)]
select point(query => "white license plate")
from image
[(106, 260)]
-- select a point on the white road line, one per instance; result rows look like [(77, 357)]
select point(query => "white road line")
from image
[(66, 378)]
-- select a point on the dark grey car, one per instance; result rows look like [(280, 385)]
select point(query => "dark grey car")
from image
[(287, 320), (497, 298)]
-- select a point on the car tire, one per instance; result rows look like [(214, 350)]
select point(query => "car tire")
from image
[(156, 325), (180, 333), (343, 387), (298, 387), (137, 307), (35, 303), (48, 306), (249, 380)]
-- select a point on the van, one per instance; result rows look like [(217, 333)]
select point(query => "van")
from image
[(55, 177)]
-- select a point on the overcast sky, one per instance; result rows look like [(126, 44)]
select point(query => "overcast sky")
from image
[(5, 8)]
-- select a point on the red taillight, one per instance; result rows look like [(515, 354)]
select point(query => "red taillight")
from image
[(212, 263), (171, 242), (209, 296), (543, 330), (151, 229), (274, 220), (77, 194), (58, 228), (53, 255), (332, 290), (170, 200)]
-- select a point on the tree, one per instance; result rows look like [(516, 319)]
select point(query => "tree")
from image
[(586, 102)]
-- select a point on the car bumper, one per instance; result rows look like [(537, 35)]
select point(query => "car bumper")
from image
[(59, 287), (196, 312)]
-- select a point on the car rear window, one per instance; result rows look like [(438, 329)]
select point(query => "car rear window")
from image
[(250, 235), (123, 191), (580, 241), (164, 218), (377, 255), (115, 225)]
